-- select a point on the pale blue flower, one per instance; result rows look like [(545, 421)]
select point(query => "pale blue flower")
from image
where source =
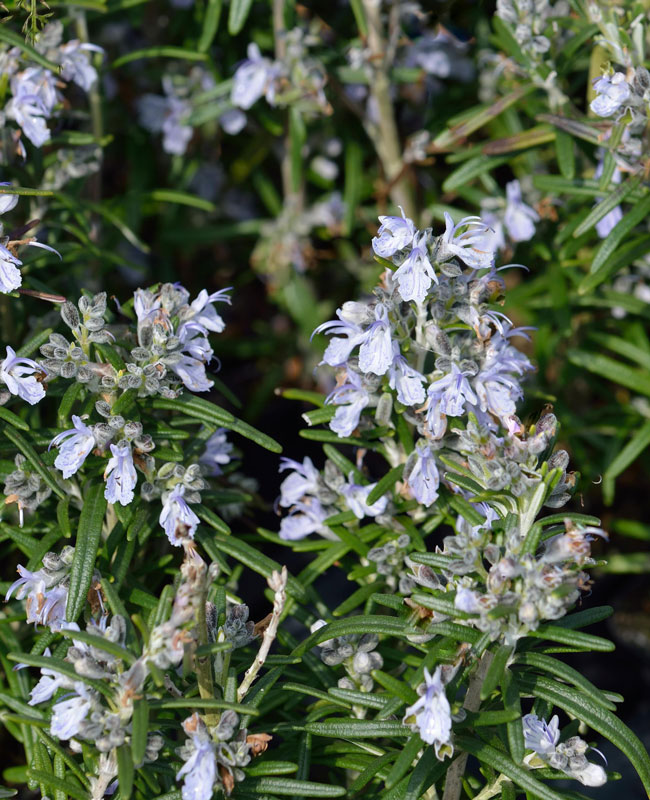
[(202, 314), (352, 398), (519, 218), (540, 736), (468, 601), (424, 478), (613, 93), (177, 518), (340, 347), (303, 480), (76, 65), (49, 683), (18, 376), (68, 715), (415, 275), (10, 276), (34, 97), (7, 201), (432, 711), (304, 519), (121, 475), (607, 224), (75, 445), (200, 769), (167, 115), (217, 452), (253, 79), (468, 245), (406, 380), (376, 352), (192, 372), (357, 499), (447, 397), (395, 233)]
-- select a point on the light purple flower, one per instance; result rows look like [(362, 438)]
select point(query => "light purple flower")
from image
[(424, 478), (447, 397), (121, 475), (49, 683), (613, 92), (415, 275), (352, 398), (540, 736), (253, 79), (376, 351), (304, 519), (75, 63), (177, 518), (10, 275), (34, 97), (432, 711), (233, 121), (192, 372), (166, 115), (519, 218), (18, 376), (406, 380), (395, 233), (217, 452), (605, 225), (7, 201), (68, 715), (200, 769), (468, 245), (201, 313), (466, 600), (75, 445), (357, 499), (340, 347), (303, 480)]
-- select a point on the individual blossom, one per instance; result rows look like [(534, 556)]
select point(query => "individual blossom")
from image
[(120, 474), (432, 713), (351, 398), (75, 444), (406, 380), (68, 715), (357, 499), (415, 275), (176, 517), (200, 768), (605, 225), (465, 241), (217, 452), (376, 352), (192, 372), (50, 682), (253, 79), (519, 218), (7, 201), (613, 92), (10, 275), (167, 115), (394, 234), (19, 376), (303, 480), (422, 476), (34, 95), (351, 334), (74, 57), (447, 397), (201, 315), (304, 519)]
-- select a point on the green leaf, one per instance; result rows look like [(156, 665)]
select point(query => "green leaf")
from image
[(624, 255), (355, 599), (207, 515), (125, 771), (403, 762), (620, 231), (496, 669), (369, 623), (500, 761), (396, 687), (100, 643), (606, 205), (237, 15), (385, 484), (67, 401), (211, 18), (12, 419), (34, 459), (58, 665), (89, 533), (551, 665), (637, 380), (139, 730), (34, 342), (58, 784), (261, 768), (181, 198), (557, 633), (200, 703), (565, 155), (166, 51), (358, 728), (600, 719), (14, 40), (472, 169), (632, 450), (292, 787)]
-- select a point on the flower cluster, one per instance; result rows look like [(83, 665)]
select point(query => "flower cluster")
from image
[(35, 94), (357, 654), (530, 20)]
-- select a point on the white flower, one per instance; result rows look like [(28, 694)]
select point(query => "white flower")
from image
[(192, 372), (121, 475), (415, 275), (75, 63), (305, 518), (469, 245), (68, 715), (376, 352), (217, 452), (7, 201), (176, 517), (76, 444), (613, 92), (50, 682), (18, 376), (405, 379), (10, 276), (395, 233), (424, 478), (432, 711), (201, 315), (519, 218), (352, 398)]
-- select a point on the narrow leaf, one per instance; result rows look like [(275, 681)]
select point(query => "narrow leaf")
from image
[(86, 546)]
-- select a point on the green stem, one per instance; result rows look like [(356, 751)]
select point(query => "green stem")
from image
[(203, 664)]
